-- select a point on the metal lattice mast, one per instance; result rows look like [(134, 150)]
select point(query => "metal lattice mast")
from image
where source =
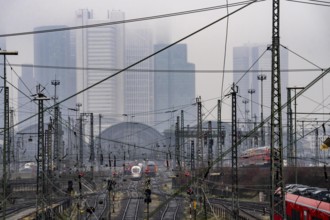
[(182, 140), (234, 172), (5, 146), (48, 154), (7, 131), (277, 205), (41, 155), (192, 156), (219, 145), (188, 148), (81, 143), (57, 151), (210, 143), (177, 143), (290, 152), (56, 138), (199, 134), (92, 156), (317, 147), (12, 154), (99, 147)]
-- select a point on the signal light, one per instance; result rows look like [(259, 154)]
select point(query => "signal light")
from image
[(190, 191)]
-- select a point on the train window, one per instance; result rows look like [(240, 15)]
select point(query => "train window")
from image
[(295, 215), (305, 215)]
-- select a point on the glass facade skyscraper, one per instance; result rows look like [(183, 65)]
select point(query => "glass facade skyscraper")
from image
[(101, 48), (55, 51), (174, 85)]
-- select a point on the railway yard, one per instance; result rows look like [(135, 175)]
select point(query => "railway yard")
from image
[(123, 197)]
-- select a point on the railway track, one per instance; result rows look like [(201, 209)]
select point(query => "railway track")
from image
[(131, 211), (171, 210), (99, 204), (248, 210), (16, 209)]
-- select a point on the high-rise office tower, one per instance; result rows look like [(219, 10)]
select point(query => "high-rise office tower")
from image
[(174, 85), (250, 86), (55, 50), (100, 48), (139, 81)]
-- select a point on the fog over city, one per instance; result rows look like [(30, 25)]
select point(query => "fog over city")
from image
[(164, 109), (304, 30)]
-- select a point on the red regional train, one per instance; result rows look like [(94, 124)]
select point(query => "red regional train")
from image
[(258, 156), (151, 169), (300, 207)]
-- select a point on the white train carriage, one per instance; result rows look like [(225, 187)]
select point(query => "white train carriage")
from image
[(136, 172)]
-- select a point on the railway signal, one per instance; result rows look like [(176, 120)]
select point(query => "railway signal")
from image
[(147, 199), (147, 193), (190, 191)]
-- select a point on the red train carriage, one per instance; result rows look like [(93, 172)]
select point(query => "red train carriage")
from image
[(258, 156), (151, 169), (127, 168), (300, 207)]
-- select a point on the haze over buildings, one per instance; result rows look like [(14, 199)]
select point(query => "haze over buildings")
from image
[(259, 58), (206, 49), (100, 47), (139, 82), (55, 50), (174, 90)]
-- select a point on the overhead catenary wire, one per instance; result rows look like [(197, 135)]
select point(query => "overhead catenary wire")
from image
[(310, 62), (132, 20), (145, 58), (310, 3), (160, 70)]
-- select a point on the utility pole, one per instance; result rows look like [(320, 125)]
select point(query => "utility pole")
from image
[(91, 144), (234, 172), (41, 155), (6, 130), (262, 77), (245, 102), (188, 148), (92, 152), (57, 154), (183, 149), (12, 153), (48, 158), (295, 130), (81, 143), (177, 144), (277, 205), (317, 147), (99, 148), (192, 157), (199, 134), (290, 152), (251, 91), (210, 144), (219, 138)]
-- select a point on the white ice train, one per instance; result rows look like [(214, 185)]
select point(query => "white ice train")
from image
[(137, 171)]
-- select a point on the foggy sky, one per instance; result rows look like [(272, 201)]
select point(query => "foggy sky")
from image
[(304, 29)]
